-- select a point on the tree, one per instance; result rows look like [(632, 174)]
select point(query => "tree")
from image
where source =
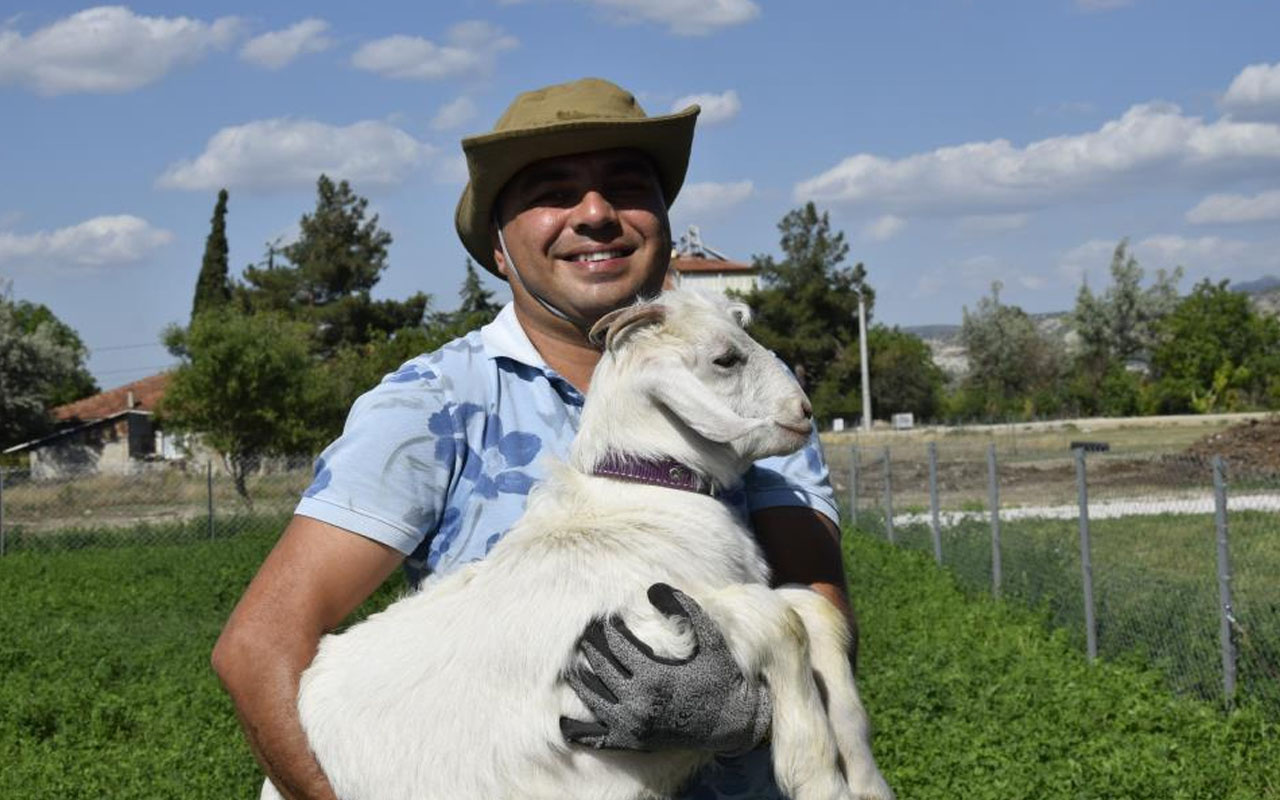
[(249, 386), (805, 309), (338, 258), (1121, 324), (1216, 353), (41, 366), (213, 287), (904, 377), (1013, 367), (477, 307)]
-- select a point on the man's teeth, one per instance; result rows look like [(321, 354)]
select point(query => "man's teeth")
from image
[(603, 255)]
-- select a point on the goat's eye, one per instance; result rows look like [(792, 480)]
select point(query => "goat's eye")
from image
[(729, 360)]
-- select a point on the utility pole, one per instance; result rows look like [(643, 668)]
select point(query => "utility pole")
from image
[(862, 353)]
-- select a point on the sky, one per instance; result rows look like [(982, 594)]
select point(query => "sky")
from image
[(954, 142)]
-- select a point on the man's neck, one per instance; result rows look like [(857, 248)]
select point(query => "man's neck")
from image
[(564, 347)]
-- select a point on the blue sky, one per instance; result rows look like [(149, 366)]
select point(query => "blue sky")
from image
[(956, 142)]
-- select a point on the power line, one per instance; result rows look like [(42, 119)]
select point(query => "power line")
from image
[(135, 369), (125, 347)]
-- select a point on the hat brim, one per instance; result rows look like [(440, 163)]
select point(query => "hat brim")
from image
[(493, 159)]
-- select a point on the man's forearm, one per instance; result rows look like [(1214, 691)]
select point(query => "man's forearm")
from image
[(264, 688)]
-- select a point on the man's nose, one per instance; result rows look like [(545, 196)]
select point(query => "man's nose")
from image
[(594, 211)]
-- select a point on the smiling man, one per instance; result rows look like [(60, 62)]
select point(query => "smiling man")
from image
[(567, 201)]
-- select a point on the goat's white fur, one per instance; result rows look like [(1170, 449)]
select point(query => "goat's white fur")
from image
[(455, 692)]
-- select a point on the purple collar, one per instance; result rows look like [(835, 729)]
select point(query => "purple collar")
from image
[(656, 472)]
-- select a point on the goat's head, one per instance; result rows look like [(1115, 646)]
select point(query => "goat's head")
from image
[(687, 354)]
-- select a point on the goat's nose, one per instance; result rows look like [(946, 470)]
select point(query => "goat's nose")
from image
[(805, 408)]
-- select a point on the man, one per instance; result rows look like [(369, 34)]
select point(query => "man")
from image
[(567, 200)]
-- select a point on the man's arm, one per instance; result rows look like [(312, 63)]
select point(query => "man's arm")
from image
[(315, 576), (803, 546)]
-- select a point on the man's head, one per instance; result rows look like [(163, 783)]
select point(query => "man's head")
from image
[(572, 174)]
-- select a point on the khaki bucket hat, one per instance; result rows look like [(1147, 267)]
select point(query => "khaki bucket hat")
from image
[(578, 117)]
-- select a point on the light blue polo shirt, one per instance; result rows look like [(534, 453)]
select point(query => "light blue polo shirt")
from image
[(438, 459)]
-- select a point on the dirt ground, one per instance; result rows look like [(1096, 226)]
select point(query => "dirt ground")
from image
[(1252, 447)]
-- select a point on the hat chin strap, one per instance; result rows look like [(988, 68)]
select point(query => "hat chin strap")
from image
[(502, 242)]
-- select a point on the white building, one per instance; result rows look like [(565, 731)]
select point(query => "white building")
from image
[(695, 264)]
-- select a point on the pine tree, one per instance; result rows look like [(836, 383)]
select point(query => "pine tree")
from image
[(806, 309), (476, 298), (213, 288), (338, 258)]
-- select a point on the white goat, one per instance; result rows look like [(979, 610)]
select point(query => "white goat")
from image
[(456, 692)]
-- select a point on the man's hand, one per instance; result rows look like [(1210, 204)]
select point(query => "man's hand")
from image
[(644, 701)]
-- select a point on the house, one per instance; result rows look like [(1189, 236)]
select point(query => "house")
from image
[(696, 264), (114, 431)]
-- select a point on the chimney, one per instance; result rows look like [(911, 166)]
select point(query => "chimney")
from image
[(129, 403)]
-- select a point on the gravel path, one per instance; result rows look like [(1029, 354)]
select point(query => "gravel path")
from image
[(1107, 509)]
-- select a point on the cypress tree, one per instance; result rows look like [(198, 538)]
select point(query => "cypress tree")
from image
[(213, 288)]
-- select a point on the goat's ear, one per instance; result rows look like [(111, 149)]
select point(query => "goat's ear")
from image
[(670, 383), (741, 313), (609, 328)]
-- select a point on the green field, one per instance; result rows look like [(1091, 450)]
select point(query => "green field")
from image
[(105, 689), (1155, 589)]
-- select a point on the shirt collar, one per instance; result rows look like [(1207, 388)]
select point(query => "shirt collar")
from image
[(505, 337)]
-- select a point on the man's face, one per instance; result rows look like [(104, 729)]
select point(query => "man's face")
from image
[(588, 232)]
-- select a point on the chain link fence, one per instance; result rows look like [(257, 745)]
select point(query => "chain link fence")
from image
[(1176, 559), (161, 503), (1170, 558)]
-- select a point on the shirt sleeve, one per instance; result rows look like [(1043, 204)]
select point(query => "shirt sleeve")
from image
[(797, 480), (388, 475)]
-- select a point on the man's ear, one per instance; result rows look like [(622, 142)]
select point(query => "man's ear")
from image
[(610, 329), (499, 258), (674, 386)]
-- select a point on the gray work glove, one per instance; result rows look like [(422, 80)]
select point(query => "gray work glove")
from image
[(644, 701)]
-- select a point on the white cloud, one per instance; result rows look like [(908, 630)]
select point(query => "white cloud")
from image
[(1202, 256), (472, 48), (98, 242), (275, 49), (708, 199), (682, 17), (883, 228), (454, 115), (107, 49), (286, 154), (716, 108), (1232, 208), (1151, 144), (1255, 92), (976, 274), (451, 171)]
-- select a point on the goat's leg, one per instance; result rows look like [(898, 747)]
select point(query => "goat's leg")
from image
[(768, 638), (829, 657)]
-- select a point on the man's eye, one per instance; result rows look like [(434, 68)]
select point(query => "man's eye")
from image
[(728, 360), (552, 197)]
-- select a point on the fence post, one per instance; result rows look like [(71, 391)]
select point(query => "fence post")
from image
[(888, 496), (1, 512), (993, 488), (1086, 561), (1224, 581), (208, 474), (933, 501), (853, 484)]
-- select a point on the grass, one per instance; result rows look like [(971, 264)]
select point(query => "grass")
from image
[(971, 697), (1155, 589), (105, 689)]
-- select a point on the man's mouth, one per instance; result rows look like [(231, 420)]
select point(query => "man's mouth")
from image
[(599, 255)]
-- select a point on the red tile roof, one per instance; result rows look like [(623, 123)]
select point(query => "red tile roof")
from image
[(696, 264), (146, 394)]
